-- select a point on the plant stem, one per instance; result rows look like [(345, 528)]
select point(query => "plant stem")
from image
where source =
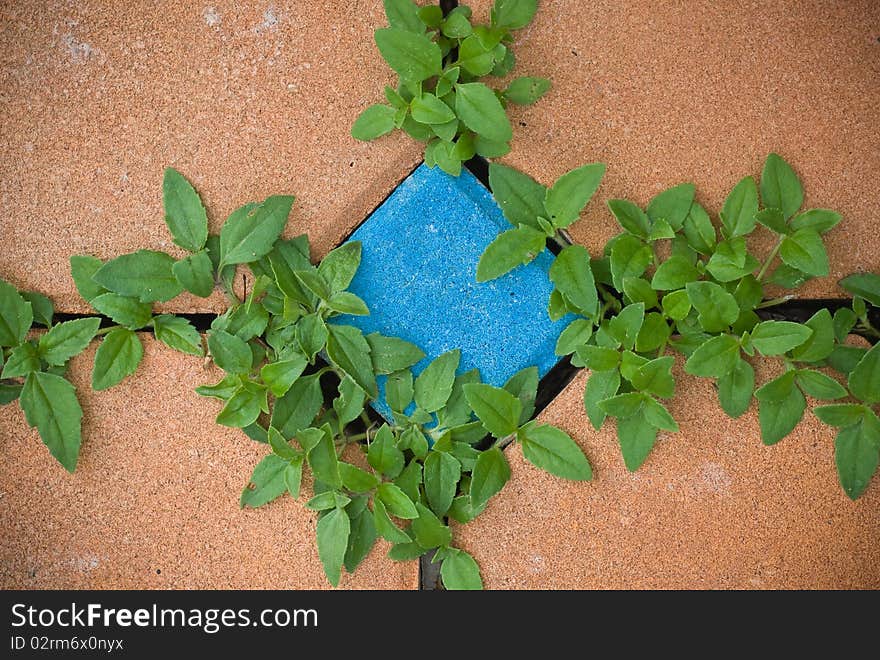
[(104, 331), (770, 259), (776, 301)]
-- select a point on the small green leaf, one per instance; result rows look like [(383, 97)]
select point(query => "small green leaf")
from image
[(510, 249), (714, 358), (780, 187), (178, 333), (717, 308), (229, 352), (118, 356), (397, 502), (600, 386), (251, 230), (636, 437), (840, 414), (551, 449), (820, 220), (630, 258), (674, 273), (655, 377), (429, 531), (390, 354), (67, 339), (124, 310), (338, 268), (735, 388), (349, 350), (16, 316), (22, 360), (778, 337), (266, 483), (575, 335), (820, 344), (399, 390), (42, 308), (146, 275), (625, 327), (384, 526), (361, 539), (333, 532), (676, 305), (570, 194), (375, 121), (460, 572), (804, 251), (623, 405), (856, 453), (699, 230), (383, 455), (740, 207), (434, 385), (442, 472), (324, 462), (864, 285), (513, 14), (524, 386), (413, 56), (864, 381), (184, 213), (49, 404), (296, 410), (403, 14), (572, 275), (498, 409), (244, 406), (428, 109), (490, 474), (82, 268), (357, 480), (781, 407), (672, 206), (526, 90), (280, 376), (520, 197), (599, 358), (481, 111), (474, 57), (630, 217), (195, 273), (819, 386)]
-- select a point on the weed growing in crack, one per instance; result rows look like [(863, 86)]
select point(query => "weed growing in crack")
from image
[(279, 348), (673, 281), (440, 99)]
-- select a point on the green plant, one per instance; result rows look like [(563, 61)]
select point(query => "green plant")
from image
[(440, 99), (34, 369), (282, 349), (672, 281)]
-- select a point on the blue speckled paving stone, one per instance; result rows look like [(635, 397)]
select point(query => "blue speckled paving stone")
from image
[(418, 277)]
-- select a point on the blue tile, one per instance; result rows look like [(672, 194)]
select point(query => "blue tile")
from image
[(418, 277)]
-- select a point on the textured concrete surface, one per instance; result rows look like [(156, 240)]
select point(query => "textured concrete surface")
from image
[(418, 277), (701, 91), (711, 508), (247, 99), (154, 501)]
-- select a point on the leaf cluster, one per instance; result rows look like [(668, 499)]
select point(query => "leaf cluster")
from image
[(674, 281), (440, 99)]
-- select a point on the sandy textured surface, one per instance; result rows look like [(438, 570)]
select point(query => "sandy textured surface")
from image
[(247, 99), (711, 508), (701, 91), (154, 501)]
